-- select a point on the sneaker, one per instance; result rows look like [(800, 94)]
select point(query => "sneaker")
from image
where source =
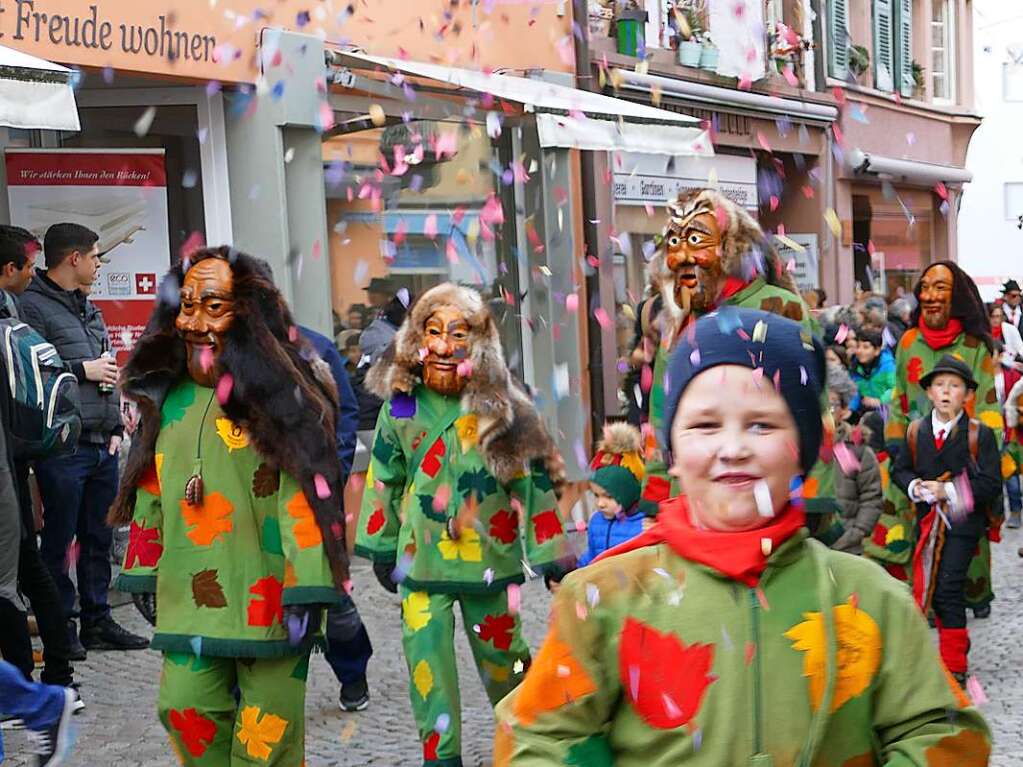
[(77, 705), (77, 651), (10, 722), (982, 612), (354, 696), (107, 634), (53, 744)]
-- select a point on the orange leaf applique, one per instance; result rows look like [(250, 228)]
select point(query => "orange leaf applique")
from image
[(969, 748), (811, 486), (307, 532), (208, 521), (555, 679)]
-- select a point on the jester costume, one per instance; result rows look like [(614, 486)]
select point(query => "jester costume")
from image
[(460, 480), (750, 276), (919, 349), (232, 525)]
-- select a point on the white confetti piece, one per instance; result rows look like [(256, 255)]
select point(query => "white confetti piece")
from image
[(762, 496)]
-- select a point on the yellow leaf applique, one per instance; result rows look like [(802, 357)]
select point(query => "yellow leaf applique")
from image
[(859, 652), (466, 547), (422, 678), (468, 432), (158, 460), (208, 521), (1008, 466), (306, 530), (232, 435), (992, 419), (415, 609), (259, 734), (895, 533)]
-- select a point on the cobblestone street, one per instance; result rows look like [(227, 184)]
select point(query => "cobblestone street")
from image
[(119, 727)]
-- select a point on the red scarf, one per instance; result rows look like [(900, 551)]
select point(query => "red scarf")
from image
[(939, 339), (996, 332), (739, 556)]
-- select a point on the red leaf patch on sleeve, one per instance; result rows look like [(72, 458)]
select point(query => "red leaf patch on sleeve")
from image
[(664, 679), (547, 525), (504, 526), (263, 612), (197, 731), (431, 461), (497, 629), (144, 548), (376, 521)]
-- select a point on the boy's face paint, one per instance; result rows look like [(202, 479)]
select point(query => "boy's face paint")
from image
[(947, 393), (733, 433)]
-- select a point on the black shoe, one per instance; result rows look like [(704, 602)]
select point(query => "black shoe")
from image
[(77, 651), (53, 744), (107, 634), (982, 612), (354, 696)]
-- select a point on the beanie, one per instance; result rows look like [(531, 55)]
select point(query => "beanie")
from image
[(618, 465), (789, 356)]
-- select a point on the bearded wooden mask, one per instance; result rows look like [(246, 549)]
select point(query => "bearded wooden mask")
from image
[(205, 314), (446, 343), (692, 245), (936, 286)]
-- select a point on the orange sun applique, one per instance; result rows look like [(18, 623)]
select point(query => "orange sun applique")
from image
[(555, 679), (307, 532), (208, 521), (859, 652)]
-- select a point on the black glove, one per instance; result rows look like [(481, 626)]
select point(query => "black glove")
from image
[(383, 574), (557, 572), (146, 604), (302, 621)]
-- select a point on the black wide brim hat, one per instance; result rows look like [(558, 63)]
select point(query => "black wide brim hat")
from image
[(1009, 286), (952, 365)]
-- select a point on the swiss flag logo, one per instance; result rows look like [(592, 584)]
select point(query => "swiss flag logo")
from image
[(145, 283)]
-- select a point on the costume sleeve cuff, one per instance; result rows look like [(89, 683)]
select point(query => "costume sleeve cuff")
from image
[(79, 370)]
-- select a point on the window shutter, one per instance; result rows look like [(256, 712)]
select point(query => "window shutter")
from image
[(838, 39), (883, 49), (904, 47)]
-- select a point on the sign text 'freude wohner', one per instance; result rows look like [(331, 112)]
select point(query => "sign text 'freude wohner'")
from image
[(30, 20)]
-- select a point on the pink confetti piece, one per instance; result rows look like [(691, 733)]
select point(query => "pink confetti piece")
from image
[(430, 226), (293, 334), (847, 460), (842, 334), (441, 497), (965, 493), (572, 302), (601, 317), (71, 555), (348, 586), (206, 359), (464, 368), (975, 691), (514, 598), (451, 251), (224, 386), (790, 76), (322, 488)]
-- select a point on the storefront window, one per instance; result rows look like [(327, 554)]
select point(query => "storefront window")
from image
[(415, 204), (893, 233)]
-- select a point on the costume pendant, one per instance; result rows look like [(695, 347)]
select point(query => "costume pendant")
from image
[(194, 490)]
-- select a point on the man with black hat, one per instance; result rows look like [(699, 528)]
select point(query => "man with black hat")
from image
[(1011, 298), (950, 468), (378, 293)]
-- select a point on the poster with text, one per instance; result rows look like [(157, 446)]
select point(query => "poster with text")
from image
[(121, 195)]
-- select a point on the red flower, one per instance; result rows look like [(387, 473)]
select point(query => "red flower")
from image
[(664, 679), (497, 629), (264, 612), (547, 525), (430, 746), (197, 731), (143, 546), (914, 370), (376, 521), (504, 526), (431, 461)]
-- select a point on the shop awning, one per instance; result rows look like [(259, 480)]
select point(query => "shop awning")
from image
[(565, 116), (35, 93), (908, 171)]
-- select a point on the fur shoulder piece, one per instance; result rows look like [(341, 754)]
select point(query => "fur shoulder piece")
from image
[(620, 438)]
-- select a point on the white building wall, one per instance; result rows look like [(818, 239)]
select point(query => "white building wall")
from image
[(990, 240)]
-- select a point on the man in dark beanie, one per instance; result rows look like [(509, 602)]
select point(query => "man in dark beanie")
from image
[(950, 318)]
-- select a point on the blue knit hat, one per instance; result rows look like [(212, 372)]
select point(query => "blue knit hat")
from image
[(791, 359)]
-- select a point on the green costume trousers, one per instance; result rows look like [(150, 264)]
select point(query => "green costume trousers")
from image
[(209, 728), (428, 636)]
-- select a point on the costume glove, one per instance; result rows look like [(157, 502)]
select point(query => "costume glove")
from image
[(383, 574), (302, 621), (146, 604)]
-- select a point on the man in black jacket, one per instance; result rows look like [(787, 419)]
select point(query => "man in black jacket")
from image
[(77, 490)]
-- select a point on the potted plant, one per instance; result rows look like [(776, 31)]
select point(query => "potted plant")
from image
[(919, 86), (689, 21), (859, 60), (709, 54), (630, 29)]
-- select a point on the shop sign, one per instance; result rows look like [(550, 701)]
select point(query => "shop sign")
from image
[(804, 263), (653, 180), (119, 194)]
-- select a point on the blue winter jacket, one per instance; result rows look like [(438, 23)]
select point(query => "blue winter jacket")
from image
[(603, 534)]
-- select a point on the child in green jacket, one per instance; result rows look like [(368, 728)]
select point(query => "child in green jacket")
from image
[(723, 636)]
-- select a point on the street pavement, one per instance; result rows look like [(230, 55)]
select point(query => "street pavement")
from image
[(119, 727)]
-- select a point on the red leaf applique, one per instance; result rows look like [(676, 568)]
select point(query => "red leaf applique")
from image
[(263, 612), (664, 679), (376, 521), (497, 629), (914, 369), (430, 746), (504, 526), (150, 480), (904, 403), (143, 547), (547, 525), (431, 461), (197, 731)]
